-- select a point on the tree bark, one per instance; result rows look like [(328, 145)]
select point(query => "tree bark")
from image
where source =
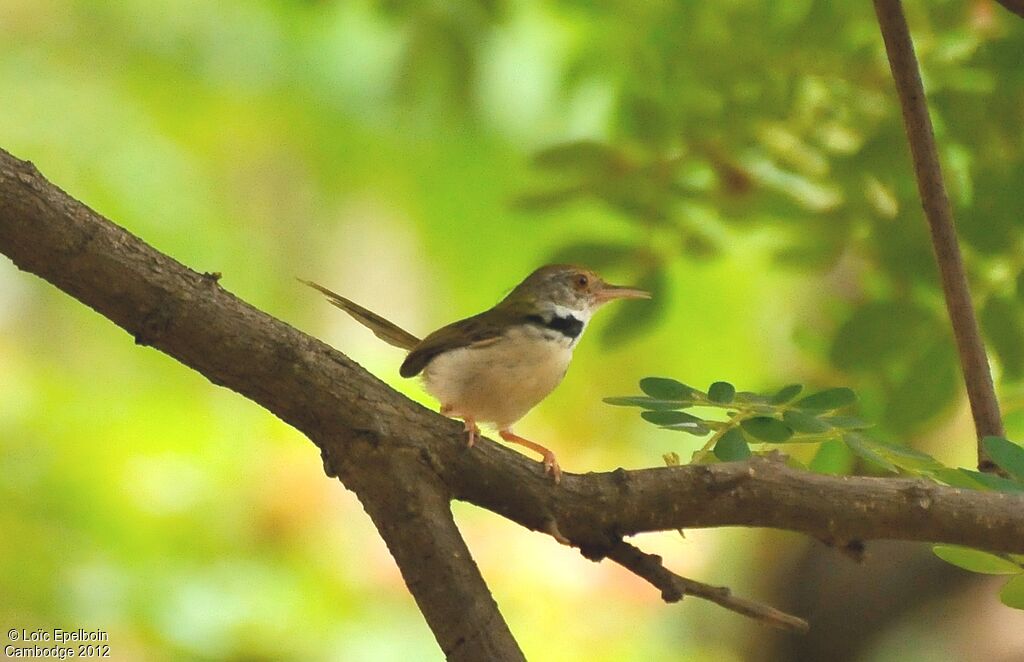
[(409, 505)]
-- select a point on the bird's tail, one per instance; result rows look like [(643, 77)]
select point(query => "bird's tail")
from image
[(387, 331)]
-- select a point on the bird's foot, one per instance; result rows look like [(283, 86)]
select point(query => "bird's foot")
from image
[(551, 466), (548, 457), (472, 432)]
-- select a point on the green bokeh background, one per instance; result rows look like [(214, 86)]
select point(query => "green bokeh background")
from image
[(378, 148)]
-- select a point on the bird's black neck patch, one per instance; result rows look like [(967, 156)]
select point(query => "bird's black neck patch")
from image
[(568, 326)]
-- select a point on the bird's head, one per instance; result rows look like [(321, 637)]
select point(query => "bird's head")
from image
[(570, 289)]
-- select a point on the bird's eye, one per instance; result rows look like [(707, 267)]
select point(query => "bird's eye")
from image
[(582, 281)]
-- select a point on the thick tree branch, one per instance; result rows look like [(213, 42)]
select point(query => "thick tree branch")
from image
[(673, 588), (594, 511), (409, 505), (973, 361), (404, 461)]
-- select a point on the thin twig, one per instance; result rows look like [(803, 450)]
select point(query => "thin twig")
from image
[(973, 361), (1015, 6), (673, 587)]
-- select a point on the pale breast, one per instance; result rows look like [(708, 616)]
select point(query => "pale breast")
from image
[(499, 382)]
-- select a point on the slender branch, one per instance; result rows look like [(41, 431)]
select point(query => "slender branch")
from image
[(930, 186), (1015, 6), (404, 461), (673, 587)]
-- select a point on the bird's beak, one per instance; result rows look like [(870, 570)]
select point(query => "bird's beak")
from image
[(609, 292)]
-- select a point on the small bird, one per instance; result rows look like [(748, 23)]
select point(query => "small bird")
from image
[(497, 365)]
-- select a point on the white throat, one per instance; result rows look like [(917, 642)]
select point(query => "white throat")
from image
[(558, 311)]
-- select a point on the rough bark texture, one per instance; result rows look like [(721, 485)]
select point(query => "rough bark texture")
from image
[(932, 189), (405, 462), (411, 512)]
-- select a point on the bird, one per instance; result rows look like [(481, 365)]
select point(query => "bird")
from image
[(495, 366)]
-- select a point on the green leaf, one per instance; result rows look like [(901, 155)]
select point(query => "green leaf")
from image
[(1001, 322), (663, 388), (865, 450), (994, 482), (721, 393), (976, 560), (804, 423), (581, 155), (909, 459), (676, 420), (732, 447), (647, 403), (958, 478), (791, 462), (827, 400), (546, 200), (1006, 454), (833, 457), (750, 398), (786, 393), (1012, 594), (669, 417), (764, 428), (903, 457), (847, 422)]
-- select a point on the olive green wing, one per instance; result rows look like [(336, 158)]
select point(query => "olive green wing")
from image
[(474, 331)]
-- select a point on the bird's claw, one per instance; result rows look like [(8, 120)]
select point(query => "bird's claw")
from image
[(550, 463), (472, 432), (551, 528), (551, 467)]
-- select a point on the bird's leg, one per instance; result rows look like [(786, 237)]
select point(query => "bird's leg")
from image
[(550, 463), (472, 431)]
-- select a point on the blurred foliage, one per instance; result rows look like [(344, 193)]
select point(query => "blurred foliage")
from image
[(736, 117), (744, 161)]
